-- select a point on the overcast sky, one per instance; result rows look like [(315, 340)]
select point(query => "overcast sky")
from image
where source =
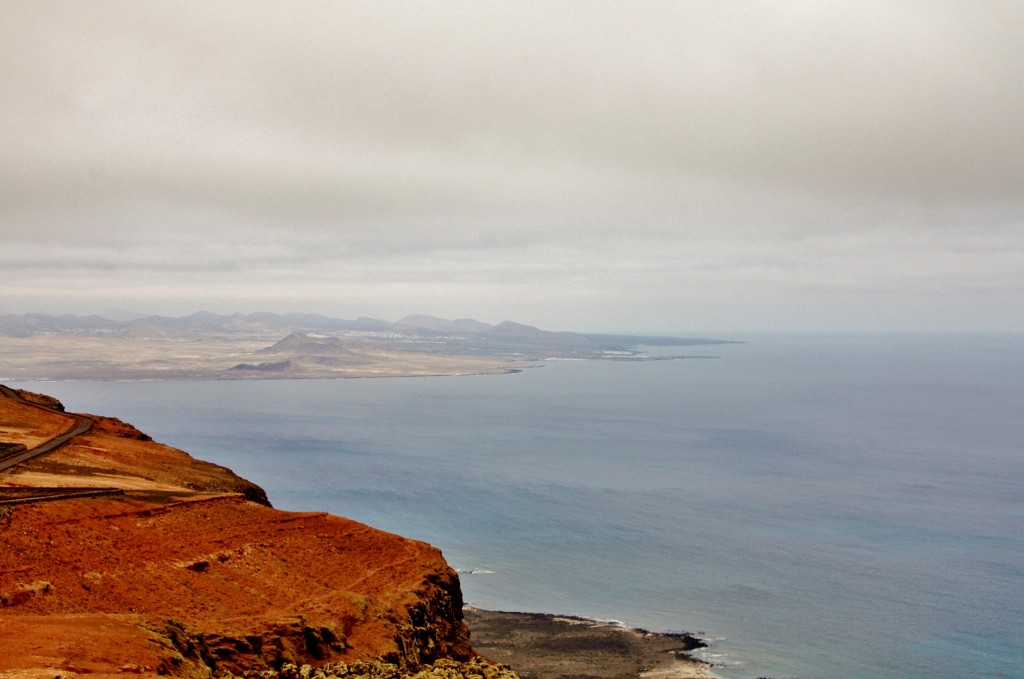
[(631, 166)]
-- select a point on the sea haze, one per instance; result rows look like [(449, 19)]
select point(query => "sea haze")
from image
[(816, 506)]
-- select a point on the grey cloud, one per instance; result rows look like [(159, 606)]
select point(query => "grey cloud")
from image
[(919, 94), (577, 146)]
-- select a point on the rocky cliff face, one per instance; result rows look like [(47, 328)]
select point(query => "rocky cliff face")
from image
[(190, 573)]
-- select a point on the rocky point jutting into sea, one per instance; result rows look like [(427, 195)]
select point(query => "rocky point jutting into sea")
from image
[(122, 555)]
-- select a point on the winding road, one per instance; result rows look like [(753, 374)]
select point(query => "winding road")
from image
[(82, 425)]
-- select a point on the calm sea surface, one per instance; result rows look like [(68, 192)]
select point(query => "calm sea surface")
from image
[(815, 506)]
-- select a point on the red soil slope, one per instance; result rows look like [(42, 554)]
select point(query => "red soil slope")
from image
[(185, 575)]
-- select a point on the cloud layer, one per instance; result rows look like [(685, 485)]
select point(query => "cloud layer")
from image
[(591, 165)]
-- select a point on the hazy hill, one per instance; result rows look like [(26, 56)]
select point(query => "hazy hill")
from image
[(305, 336), (422, 322), (299, 343)]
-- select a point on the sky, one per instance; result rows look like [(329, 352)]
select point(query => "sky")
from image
[(592, 166)]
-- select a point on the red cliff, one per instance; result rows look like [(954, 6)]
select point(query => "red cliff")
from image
[(183, 569)]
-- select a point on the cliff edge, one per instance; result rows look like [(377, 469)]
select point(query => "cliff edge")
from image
[(173, 566)]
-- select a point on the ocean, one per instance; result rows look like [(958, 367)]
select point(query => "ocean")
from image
[(815, 506)]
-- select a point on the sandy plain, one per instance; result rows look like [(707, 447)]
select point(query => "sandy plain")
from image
[(78, 357)]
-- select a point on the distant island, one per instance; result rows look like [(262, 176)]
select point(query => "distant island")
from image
[(274, 346)]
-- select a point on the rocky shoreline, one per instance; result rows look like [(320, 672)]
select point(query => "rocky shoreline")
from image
[(534, 646), (546, 646)]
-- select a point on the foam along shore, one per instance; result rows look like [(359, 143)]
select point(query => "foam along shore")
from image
[(546, 646)]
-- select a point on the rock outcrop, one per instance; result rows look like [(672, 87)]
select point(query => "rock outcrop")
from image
[(190, 573)]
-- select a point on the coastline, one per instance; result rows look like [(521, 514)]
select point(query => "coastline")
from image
[(235, 550), (549, 646)]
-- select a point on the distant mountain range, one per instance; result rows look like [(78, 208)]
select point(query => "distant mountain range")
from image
[(419, 333)]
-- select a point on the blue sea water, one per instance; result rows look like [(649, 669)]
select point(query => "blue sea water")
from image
[(814, 505)]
